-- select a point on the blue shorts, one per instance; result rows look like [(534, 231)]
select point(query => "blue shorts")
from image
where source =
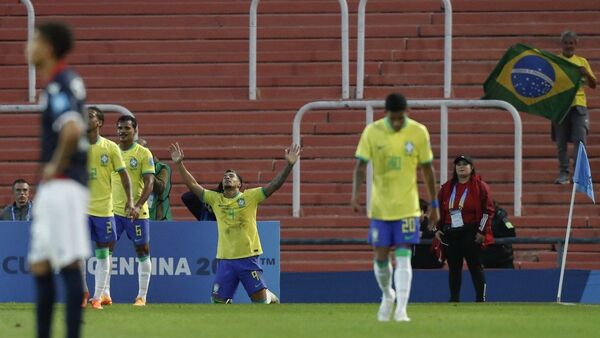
[(138, 231), (102, 229), (232, 271), (392, 233)]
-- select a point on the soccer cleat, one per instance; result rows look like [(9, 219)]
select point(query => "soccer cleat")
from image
[(96, 304), (86, 296), (385, 308), (139, 301), (105, 300), (273, 298), (401, 317)]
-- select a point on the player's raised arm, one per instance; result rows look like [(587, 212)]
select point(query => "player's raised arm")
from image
[(189, 180), (292, 154)]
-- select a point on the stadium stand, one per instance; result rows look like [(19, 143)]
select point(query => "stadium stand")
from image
[(182, 68)]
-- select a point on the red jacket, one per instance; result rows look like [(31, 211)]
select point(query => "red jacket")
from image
[(478, 206)]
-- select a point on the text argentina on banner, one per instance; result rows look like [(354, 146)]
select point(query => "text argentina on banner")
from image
[(534, 81)]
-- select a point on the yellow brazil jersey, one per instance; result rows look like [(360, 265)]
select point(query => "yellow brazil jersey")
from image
[(236, 222), (104, 158), (138, 161), (580, 99), (395, 157)]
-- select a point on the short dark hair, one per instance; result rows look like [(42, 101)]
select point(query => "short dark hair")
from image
[(395, 103), (220, 186), (568, 34), (17, 181), (98, 111), (58, 35), (124, 118)]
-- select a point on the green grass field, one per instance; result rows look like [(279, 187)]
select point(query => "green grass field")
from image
[(317, 320)]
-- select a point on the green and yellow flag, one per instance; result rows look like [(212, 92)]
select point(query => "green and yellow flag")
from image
[(534, 81)]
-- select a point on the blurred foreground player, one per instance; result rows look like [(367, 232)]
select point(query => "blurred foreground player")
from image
[(59, 234)]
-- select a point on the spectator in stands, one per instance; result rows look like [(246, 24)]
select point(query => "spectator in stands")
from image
[(466, 212), (396, 146), (423, 255), (575, 126), (238, 245), (158, 202), (499, 256), (20, 209)]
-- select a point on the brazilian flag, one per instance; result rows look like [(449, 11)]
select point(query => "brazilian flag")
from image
[(534, 81)]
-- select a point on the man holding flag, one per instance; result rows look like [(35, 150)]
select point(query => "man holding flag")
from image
[(548, 85), (575, 125)]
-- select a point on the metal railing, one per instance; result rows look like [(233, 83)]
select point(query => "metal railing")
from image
[(32, 108), (345, 50), (360, 73), (369, 105), (30, 30)]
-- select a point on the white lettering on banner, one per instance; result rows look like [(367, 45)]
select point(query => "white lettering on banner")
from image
[(162, 266)]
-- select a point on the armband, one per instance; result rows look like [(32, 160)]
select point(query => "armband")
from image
[(435, 204)]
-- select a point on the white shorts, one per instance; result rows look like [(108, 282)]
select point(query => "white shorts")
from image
[(59, 232)]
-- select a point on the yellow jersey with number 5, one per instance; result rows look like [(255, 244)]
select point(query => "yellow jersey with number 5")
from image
[(138, 162), (236, 222), (396, 156)]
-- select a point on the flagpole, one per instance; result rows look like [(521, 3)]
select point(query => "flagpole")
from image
[(565, 247)]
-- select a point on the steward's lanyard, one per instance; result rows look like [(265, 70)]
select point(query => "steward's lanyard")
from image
[(14, 216), (461, 203)]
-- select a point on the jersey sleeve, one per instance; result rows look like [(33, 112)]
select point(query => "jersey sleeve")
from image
[(424, 148), (586, 64), (255, 194), (363, 150), (147, 162), (116, 158), (64, 104), (209, 196)]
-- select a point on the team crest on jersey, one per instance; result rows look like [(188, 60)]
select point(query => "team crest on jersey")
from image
[(133, 163), (409, 147), (241, 202), (104, 160)]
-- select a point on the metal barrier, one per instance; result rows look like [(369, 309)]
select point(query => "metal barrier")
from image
[(369, 105), (360, 73), (32, 108), (345, 52), (30, 29)]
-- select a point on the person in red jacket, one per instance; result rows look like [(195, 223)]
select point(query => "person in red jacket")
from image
[(466, 213)]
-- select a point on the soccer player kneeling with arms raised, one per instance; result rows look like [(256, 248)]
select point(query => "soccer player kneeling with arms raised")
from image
[(238, 246)]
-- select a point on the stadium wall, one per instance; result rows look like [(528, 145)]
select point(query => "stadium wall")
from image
[(183, 270)]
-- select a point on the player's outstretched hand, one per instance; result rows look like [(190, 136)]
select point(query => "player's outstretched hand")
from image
[(176, 152), (292, 154)]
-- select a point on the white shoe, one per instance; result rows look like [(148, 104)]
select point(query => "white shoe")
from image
[(401, 317), (385, 308), (273, 299)]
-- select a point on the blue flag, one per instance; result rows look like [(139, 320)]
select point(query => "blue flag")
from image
[(583, 174)]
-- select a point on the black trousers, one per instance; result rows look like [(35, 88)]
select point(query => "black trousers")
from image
[(462, 246)]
